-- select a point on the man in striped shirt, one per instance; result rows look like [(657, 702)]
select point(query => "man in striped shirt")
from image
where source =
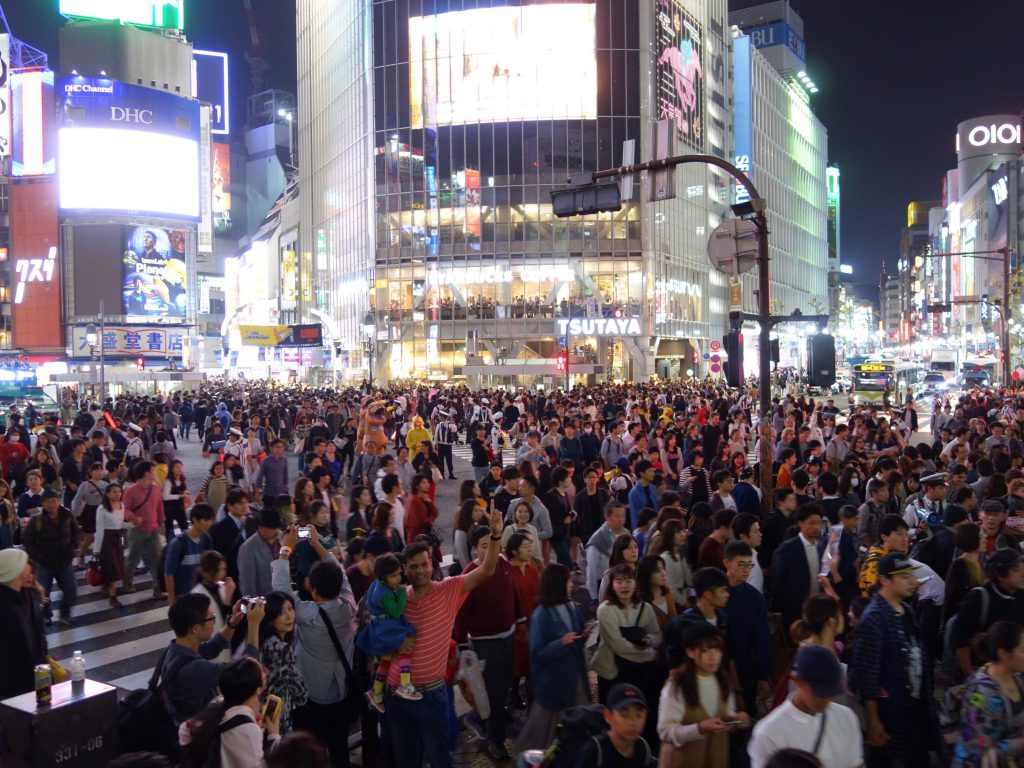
[(420, 728)]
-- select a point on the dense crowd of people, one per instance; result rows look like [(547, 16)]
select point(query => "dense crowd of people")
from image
[(614, 549)]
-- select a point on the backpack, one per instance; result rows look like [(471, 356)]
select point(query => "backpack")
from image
[(143, 722), (950, 662), (213, 750), (577, 726)]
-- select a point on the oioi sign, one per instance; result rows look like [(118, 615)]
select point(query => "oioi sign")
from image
[(991, 134)]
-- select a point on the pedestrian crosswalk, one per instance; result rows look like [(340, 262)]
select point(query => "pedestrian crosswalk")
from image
[(121, 645)]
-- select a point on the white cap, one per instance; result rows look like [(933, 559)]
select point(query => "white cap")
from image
[(134, 427), (235, 431)]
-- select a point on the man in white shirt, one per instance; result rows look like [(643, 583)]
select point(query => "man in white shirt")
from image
[(809, 720)]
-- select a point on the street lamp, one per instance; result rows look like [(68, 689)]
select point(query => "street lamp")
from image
[(94, 338), (369, 324)]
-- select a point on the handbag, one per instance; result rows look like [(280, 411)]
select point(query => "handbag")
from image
[(435, 475), (353, 698), (629, 670), (93, 574)]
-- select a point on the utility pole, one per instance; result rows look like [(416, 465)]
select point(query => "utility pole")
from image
[(588, 195)]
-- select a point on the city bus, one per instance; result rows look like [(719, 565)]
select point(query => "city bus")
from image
[(885, 382)]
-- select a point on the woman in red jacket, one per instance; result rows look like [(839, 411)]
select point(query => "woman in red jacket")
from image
[(421, 515)]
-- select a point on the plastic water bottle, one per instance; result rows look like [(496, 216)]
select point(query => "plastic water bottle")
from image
[(77, 669)]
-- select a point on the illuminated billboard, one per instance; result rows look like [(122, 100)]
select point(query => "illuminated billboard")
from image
[(210, 79), (155, 274), (679, 74), (32, 123), (487, 65), (5, 95), (36, 266), (164, 14), (128, 149), (221, 167)]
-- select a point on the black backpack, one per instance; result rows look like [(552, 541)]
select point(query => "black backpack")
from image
[(143, 722), (577, 726), (213, 750)]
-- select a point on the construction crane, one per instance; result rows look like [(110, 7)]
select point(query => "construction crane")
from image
[(257, 45), (23, 55)]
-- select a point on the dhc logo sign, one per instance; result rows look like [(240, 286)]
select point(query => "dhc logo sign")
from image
[(129, 115)]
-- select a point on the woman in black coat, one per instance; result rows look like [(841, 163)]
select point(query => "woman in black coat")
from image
[(23, 640)]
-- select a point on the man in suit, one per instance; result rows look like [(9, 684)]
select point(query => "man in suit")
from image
[(258, 552), (796, 565), (230, 533)]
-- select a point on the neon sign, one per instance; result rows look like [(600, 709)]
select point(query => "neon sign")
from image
[(600, 326), (34, 271)]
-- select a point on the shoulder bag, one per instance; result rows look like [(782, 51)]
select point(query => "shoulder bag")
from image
[(353, 698)]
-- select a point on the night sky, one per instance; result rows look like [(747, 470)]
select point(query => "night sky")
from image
[(896, 76)]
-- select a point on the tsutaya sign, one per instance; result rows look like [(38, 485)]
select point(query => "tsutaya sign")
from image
[(600, 326)]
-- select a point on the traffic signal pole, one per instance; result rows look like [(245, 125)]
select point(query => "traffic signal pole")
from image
[(586, 195)]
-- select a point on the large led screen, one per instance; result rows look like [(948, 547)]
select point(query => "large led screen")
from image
[(123, 148), (108, 169), (679, 76), (155, 273), (489, 65)]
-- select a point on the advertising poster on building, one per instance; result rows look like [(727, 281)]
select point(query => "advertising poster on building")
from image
[(129, 341), (473, 202), (155, 275), (221, 165), (310, 335), (679, 70), (35, 266), (5, 95), (487, 65)]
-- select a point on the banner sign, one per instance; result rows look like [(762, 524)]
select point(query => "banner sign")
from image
[(130, 341), (282, 335)]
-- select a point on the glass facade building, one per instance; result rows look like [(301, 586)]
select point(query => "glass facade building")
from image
[(431, 133)]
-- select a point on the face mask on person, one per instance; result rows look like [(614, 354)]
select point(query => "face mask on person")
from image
[(854, 481)]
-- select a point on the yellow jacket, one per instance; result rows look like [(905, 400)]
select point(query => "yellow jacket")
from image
[(414, 437)]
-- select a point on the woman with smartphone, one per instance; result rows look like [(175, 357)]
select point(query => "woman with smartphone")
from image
[(277, 644)]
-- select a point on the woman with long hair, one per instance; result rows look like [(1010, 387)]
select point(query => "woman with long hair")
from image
[(519, 552), (651, 585), (673, 552), (672, 458), (625, 551), (360, 501), (697, 703), (966, 571), (9, 523), (215, 486), (277, 654), (557, 665), (303, 493), (383, 522), (470, 512), (86, 501), (629, 635), (241, 684), (211, 579), (176, 499), (108, 543), (992, 704)]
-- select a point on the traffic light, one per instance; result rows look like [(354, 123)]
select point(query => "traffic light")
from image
[(733, 343), (140, 363), (821, 360), (582, 199), (562, 361)]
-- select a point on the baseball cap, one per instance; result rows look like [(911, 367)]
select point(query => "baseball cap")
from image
[(992, 506), (49, 493), (893, 563), (622, 464), (625, 695), (820, 669)]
